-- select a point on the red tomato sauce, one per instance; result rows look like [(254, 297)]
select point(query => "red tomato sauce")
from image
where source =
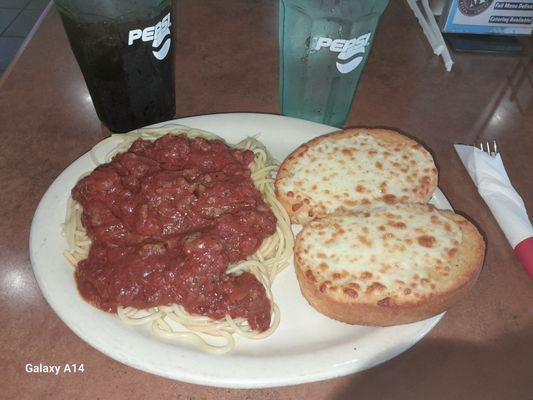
[(166, 219)]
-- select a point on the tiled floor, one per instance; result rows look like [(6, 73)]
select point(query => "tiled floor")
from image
[(17, 17)]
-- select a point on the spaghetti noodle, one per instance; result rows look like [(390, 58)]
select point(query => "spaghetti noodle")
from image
[(271, 257)]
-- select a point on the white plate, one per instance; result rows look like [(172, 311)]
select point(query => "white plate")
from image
[(307, 346)]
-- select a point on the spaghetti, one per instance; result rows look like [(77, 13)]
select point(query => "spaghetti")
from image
[(271, 257)]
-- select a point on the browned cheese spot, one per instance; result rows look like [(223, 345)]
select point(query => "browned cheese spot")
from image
[(372, 153), (386, 302), (366, 214), (333, 288), (307, 201), (435, 220), (364, 240), (323, 266), (314, 187), (290, 193), (336, 275), (375, 286), (396, 164), (354, 285), (397, 225), (350, 292), (295, 207), (379, 165), (390, 199), (382, 228), (365, 229), (387, 236), (384, 269), (309, 275), (350, 203), (409, 241), (360, 188), (366, 275), (347, 152), (452, 252), (365, 202), (426, 241), (323, 287), (447, 226), (321, 255), (407, 291), (339, 229), (425, 182)]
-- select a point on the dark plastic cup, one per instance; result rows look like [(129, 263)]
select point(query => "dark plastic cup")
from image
[(124, 49)]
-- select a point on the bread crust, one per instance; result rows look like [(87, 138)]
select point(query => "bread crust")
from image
[(305, 209), (468, 262)]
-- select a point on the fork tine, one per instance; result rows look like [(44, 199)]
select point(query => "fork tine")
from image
[(495, 147)]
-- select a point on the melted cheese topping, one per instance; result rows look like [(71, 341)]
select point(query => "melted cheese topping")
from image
[(357, 172), (381, 255)]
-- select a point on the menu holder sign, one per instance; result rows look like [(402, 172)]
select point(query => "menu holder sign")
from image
[(488, 17)]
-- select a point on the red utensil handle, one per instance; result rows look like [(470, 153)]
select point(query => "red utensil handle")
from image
[(524, 252)]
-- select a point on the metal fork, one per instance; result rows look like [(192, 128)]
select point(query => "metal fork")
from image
[(491, 148)]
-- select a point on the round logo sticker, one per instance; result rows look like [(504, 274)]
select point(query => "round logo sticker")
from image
[(473, 7)]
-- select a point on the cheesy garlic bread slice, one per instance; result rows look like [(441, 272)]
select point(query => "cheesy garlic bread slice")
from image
[(352, 170), (387, 266)]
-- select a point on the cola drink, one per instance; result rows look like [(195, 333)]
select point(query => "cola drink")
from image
[(124, 49)]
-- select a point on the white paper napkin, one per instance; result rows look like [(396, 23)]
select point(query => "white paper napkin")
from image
[(494, 186)]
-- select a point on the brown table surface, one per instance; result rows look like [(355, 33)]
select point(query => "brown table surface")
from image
[(227, 60)]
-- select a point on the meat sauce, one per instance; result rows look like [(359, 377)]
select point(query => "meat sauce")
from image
[(166, 219)]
